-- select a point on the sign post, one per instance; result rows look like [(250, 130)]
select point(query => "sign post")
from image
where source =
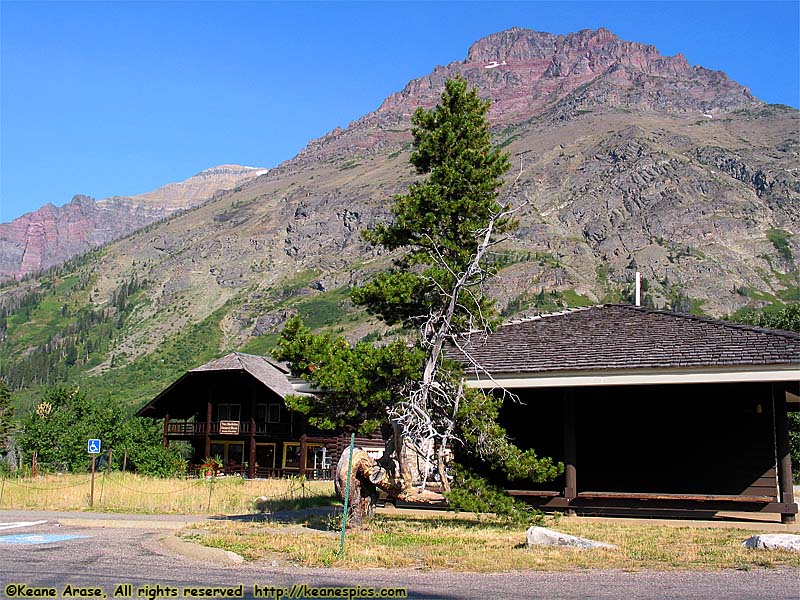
[(347, 492), (93, 448)]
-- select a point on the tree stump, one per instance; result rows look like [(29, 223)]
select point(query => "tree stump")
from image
[(366, 478)]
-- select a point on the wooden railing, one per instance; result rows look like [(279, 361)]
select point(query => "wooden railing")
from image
[(262, 472), (192, 428)]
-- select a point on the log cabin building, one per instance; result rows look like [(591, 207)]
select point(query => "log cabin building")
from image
[(651, 412), (233, 409)]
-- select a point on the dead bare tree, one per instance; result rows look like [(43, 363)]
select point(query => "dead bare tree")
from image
[(427, 419)]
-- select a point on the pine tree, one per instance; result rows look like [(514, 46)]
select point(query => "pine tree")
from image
[(441, 232), (436, 222), (6, 415)]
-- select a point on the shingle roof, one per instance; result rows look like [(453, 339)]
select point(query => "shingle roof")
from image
[(271, 374), (627, 337)]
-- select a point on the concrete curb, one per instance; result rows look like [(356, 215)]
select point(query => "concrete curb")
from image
[(198, 552), (125, 523)]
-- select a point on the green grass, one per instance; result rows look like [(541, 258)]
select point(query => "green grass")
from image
[(506, 258), (574, 299), (547, 302), (755, 294), (790, 294), (780, 240), (262, 344), (323, 309), (291, 284), (508, 140), (141, 380), (350, 164), (37, 326), (467, 544)]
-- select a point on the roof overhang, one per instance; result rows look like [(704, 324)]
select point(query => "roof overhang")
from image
[(609, 377)]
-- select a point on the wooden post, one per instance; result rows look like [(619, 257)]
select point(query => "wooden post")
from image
[(303, 454), (108, 465), (124, 461), (91, 486), (208, 430), (164, 440), (783, 454), (251, 469), (570, 451), (347, 491)]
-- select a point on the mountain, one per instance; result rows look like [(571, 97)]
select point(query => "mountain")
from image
[(51, 235), (529, 74), (625, 161)]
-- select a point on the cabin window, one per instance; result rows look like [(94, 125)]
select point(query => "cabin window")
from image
[(229, 412), (268, 413), (231, 453), (316, 458), (291, 456)]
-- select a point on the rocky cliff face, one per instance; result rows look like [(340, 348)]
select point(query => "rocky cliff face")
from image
[(52, 235), (525, 72)]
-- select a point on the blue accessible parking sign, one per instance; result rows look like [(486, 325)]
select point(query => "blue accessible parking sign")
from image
[(93, 447)]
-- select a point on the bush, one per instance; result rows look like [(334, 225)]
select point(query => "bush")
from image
[(60, 425), (473, 493)]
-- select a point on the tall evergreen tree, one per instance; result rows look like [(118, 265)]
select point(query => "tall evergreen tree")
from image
[(442, 230), (437, 221)]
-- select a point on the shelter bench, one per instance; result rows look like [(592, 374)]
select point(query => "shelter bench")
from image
[(689, 497)]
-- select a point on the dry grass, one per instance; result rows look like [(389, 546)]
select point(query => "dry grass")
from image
[(460, 545), (117, 492)]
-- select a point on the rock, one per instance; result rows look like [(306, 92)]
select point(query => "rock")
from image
[(261, 504), (272, 322), (541, 536), (773, 541)]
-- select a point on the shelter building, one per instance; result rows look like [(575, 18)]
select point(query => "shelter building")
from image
[(650, 411)]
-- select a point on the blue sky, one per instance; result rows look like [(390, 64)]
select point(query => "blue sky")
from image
[(119, 98)]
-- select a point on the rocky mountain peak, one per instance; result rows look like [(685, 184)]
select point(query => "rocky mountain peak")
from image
[(515, 44), (80, 199), (536, 75)]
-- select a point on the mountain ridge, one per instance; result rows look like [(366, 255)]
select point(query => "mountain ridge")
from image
[(51, 234), (538, 77)]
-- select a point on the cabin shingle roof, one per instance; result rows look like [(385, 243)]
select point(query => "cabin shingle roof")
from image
[(270, 373), (627, 337)]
